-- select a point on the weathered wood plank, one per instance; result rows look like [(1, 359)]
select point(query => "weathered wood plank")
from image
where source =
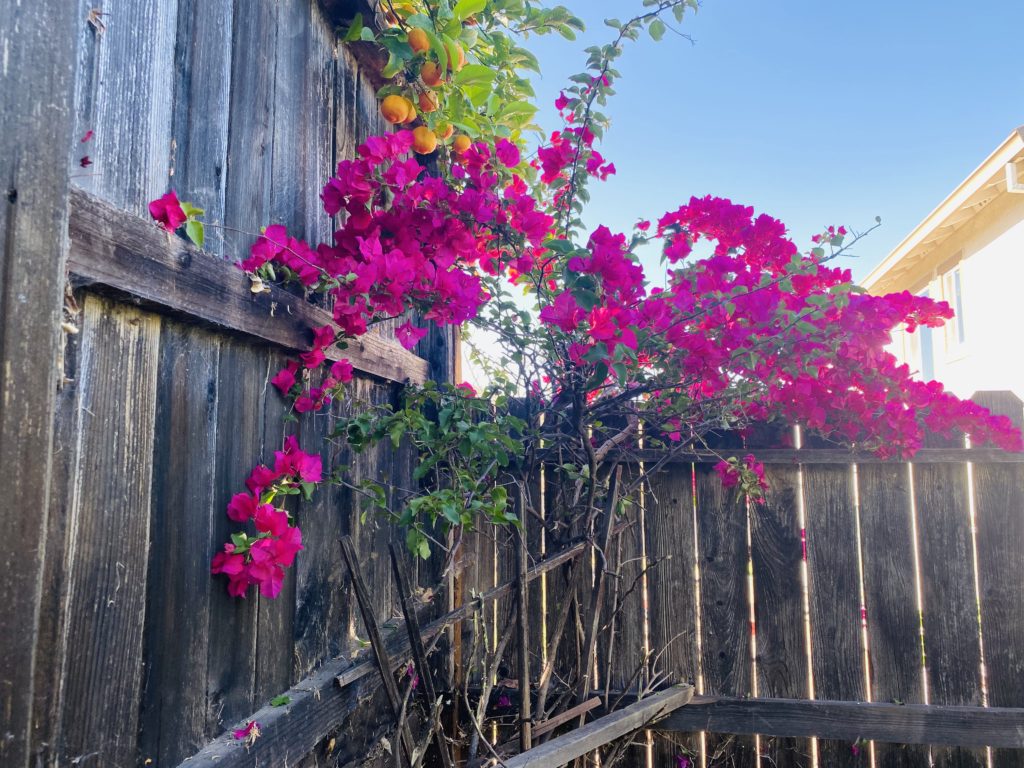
[(125, 97), (604, 730), (173, 718), (131, 256), (950, 615), (837, 655), (894, 638), (231, 665), (849, 721), (724, 609), (35, 125), (776, 554), (999, 517), (275, 620), (322, 612), (672, 609), (199, 123), (102, 670)]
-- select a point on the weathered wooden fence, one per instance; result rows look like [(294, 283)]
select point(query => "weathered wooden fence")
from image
[(868, 586), (124, 433)]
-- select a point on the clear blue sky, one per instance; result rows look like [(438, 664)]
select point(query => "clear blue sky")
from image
[(816, 112)]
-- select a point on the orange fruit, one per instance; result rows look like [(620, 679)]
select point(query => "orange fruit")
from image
[(424, 141), (461, 144), (418, 41), (431, 74), (428, 102), (395, 108), (445, 131), (411, 114), (461, 57)]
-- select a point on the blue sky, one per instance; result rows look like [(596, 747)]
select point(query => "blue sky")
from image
[(818, 113)]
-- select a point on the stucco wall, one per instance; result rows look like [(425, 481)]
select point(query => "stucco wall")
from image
[(991, 251)]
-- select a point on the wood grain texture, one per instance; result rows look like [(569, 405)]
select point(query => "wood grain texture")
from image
[(837, 656), (999, 517), (102, 671), (124, 94), (951, 636), (848, 721), (722, 558), (173, 719), (776, 554), (35, 124), (672, 590), (199, 123), (894, 639), (589, 737), (132, 257), (275, 619), (231, 672)]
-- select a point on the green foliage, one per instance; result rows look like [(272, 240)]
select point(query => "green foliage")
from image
[(466, 444)]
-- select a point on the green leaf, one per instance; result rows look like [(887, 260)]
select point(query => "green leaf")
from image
[(355, 29), (466, 8), (194, 230), (475, 74), (280, 701), (657, 29), (190, 210)]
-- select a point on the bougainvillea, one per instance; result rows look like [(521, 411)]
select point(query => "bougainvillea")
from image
[(741, 327)]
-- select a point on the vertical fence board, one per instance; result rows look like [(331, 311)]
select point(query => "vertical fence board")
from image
[(247, 204), (672, 607), (999, 516), (890, 596), (102, 672), (231, 661), (722, 555), (776, 553), (951, 640), (834, 594), (321, 614), (275, 616), (125, 97), (35, 127), (173, 720), (202, 97)]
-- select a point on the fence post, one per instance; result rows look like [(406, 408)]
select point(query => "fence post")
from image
[(35, 144)]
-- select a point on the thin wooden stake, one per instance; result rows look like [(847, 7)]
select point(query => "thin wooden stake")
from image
[(384, 664), (419, 654), (523, 627), (597, 593)]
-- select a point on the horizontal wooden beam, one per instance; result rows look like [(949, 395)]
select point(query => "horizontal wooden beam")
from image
[(830, 456), (604, 730), (850, 721), (117, 252)]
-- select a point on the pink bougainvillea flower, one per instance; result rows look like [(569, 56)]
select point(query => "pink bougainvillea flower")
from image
[(467, 389), (248, 732), (284, 380), (323, 336), (682, 761), (342, 371), (261, 478), (88, 135), (167, 211), (507, 152), (270, 520), (409, 335), (242, 507), (85, 161)]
